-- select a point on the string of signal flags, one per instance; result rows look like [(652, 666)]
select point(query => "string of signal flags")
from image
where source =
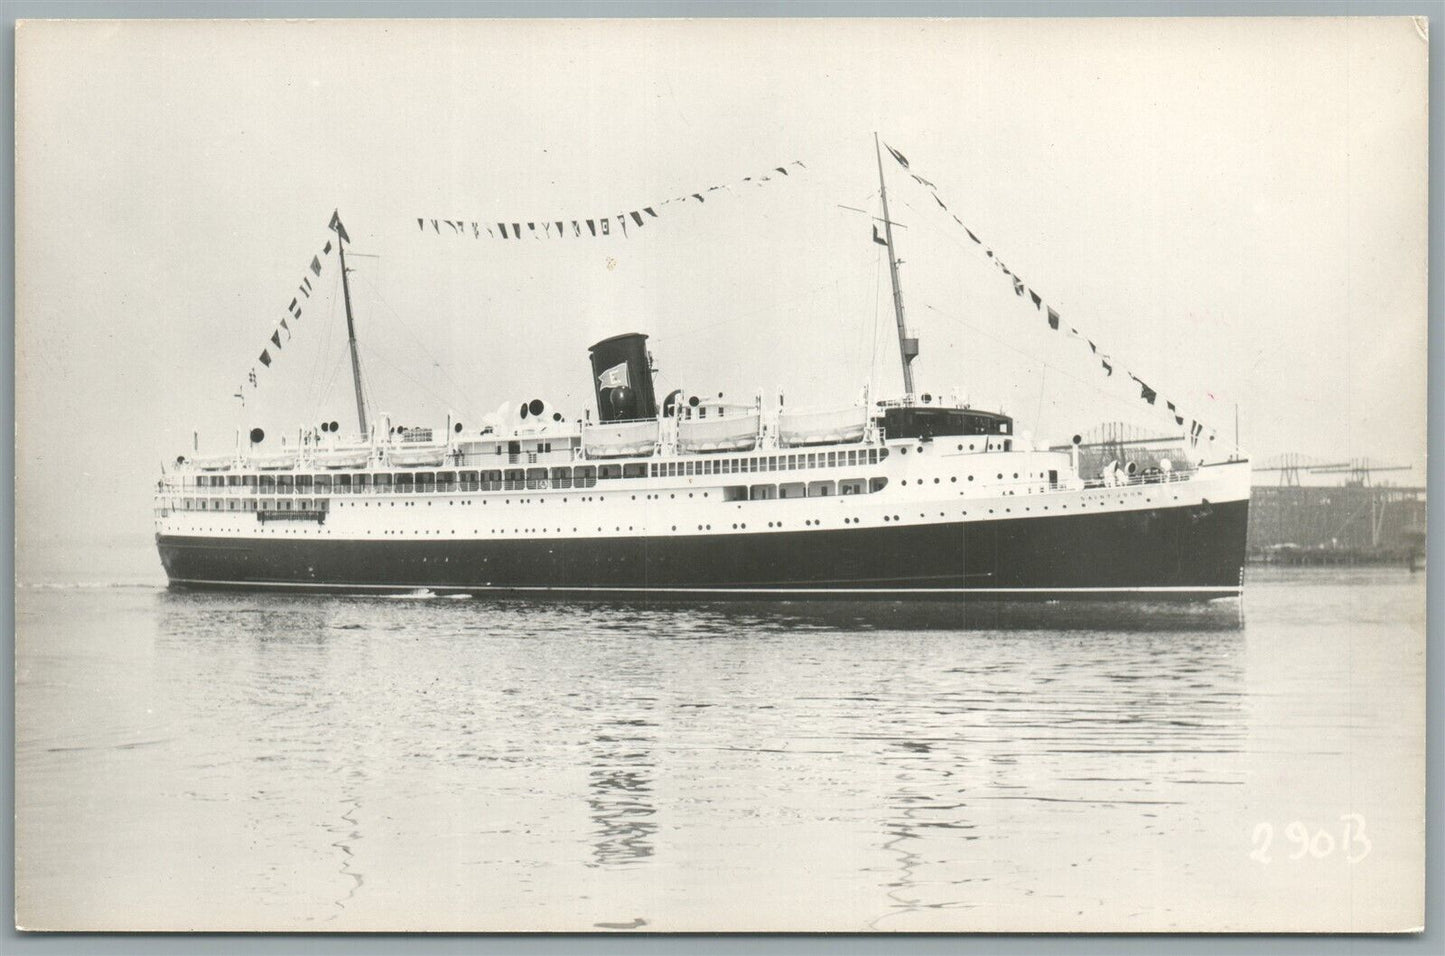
[(1023, 290), (304, 289), (597, 227)]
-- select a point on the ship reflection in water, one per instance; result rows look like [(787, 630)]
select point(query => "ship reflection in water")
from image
[(621, 788), (621, 768), (362, 763)]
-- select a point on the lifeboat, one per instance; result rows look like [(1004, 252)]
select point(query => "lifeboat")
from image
[(418, 455), (737, 431), (275, 462), (342, 457), (823, 427), (214, 463), (620, 439)]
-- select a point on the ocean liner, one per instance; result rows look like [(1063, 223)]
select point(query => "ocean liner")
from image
[(697, 498)]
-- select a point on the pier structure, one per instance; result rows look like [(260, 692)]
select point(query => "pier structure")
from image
[(1334, 512)]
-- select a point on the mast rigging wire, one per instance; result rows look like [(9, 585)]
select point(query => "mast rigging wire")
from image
[(1119, 400), (462, 404), (314, 398), (931, 221)]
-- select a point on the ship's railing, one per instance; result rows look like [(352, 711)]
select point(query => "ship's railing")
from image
[(1147, 478), (582, 478), (450, 481)]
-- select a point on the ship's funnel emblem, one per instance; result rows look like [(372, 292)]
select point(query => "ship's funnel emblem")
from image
[(621, 399), (614, 377)]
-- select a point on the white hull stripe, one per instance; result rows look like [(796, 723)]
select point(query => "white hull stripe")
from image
[(1180, 589)]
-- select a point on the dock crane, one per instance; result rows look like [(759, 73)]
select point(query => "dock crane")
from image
[(1376, 500)]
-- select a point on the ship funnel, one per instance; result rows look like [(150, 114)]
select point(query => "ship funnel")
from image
[(622, 377)]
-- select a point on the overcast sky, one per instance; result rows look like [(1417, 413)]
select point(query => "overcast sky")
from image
[(1230, 208)]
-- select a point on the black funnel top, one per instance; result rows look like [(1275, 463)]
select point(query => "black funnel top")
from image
[(622, 377)]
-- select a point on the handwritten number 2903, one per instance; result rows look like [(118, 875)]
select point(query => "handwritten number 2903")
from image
[(1353, 842)]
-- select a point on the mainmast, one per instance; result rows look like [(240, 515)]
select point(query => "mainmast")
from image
[(907, 347), (341, 238)]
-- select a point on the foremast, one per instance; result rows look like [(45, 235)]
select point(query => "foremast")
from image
[(907, 346), (341, 239)]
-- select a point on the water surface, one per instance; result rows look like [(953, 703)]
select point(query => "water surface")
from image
[(195, 761)]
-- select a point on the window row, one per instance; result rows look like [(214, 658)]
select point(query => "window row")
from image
[(804, 489), (251, 504), (851, 458), (516, 479)]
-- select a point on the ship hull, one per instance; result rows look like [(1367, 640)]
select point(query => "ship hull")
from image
[(1190, 552)]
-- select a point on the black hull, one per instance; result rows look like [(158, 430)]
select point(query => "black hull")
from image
[(1194, 552)]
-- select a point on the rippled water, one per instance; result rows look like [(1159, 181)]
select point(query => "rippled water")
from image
[(260, 762)]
